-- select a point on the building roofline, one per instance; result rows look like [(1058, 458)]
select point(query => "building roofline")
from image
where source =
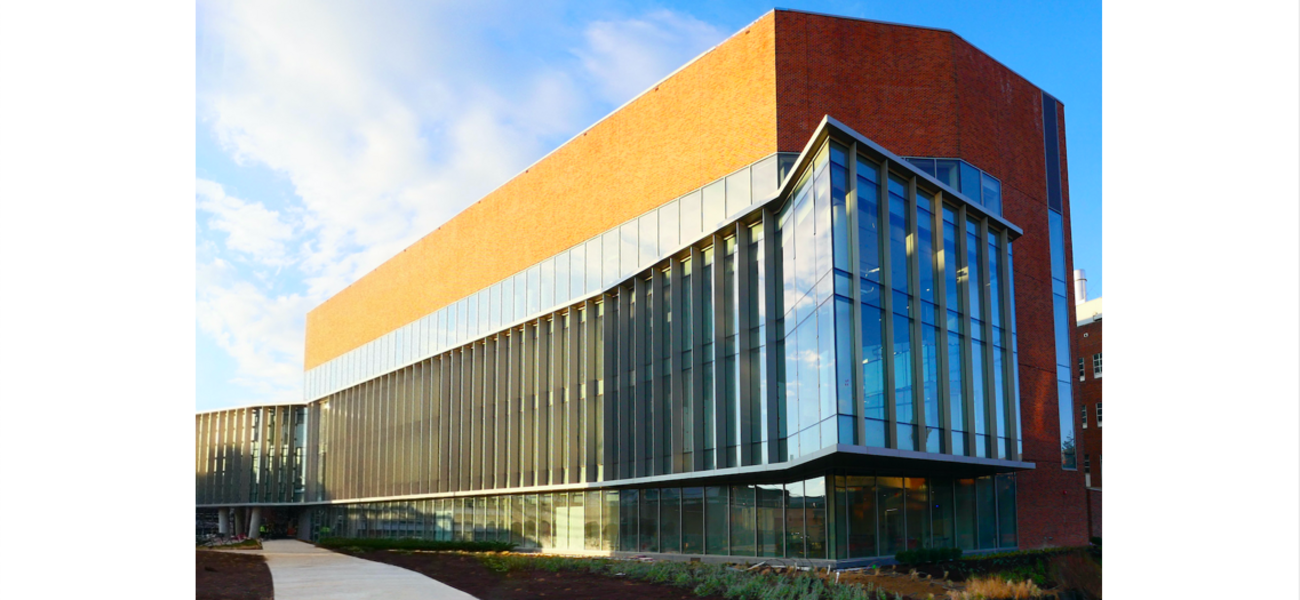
[(927, 28)]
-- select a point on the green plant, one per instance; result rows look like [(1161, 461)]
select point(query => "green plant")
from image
[(703, 579), (366, 544), (1035, 571)]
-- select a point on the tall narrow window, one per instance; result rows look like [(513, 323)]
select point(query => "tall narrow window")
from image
[(1096, 365), (1083, 415)]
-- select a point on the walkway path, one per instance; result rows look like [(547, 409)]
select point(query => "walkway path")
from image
[(301, 571)]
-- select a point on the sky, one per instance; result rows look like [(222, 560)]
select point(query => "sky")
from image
[(332, 135)]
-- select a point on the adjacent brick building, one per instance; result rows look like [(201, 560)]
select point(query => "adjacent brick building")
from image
[(1089, 371), (770, 307)]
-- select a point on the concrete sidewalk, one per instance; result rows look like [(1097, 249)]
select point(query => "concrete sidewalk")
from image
[(301, 571)]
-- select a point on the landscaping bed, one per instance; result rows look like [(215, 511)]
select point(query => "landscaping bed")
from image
[(1025, 565), (222, 575), (468, 573), (514, 576), (504, 575)]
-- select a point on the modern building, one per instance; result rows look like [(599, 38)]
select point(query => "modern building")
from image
[(804, 298)]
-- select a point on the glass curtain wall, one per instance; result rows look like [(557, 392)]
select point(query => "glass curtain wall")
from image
[(672, 365), (838, 516), (933, 303), (253, 454), (815, 252)]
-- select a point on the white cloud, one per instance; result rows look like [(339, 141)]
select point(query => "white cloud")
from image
[(250, 227), (630, 55), (387, 118), (262, 333)]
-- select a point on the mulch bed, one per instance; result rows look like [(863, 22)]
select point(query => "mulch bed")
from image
[(231, 575), (961, 570), (466, 573)]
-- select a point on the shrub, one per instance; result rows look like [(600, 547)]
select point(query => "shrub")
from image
[(365, 544), (1035, 571), (998, 589), (927, 555)]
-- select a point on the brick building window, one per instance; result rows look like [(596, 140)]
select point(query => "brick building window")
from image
[(1096, 365), (1080, 368), (1087, 463), (1083, 411), (1099, 414)]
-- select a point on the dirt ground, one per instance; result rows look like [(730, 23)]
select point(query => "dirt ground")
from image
[(231, 575), (466, 573), (898, 583)]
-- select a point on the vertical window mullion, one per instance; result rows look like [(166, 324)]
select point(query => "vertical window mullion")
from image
[(921, 431), (1008, 345), (676, 345), (967, 340), (855, 295), (887, 308), (991, 394), (744, 341), (943, 263), (771, 292)]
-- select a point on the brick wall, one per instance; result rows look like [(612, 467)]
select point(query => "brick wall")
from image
[(930, 93), (1094, 513), (1088, 341)]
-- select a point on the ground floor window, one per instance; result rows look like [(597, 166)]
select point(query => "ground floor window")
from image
[(835, 515)]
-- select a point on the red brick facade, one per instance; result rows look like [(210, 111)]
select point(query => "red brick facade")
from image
[(1088, 342), (930, 93)]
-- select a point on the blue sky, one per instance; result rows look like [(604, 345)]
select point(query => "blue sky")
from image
[(332, 135)]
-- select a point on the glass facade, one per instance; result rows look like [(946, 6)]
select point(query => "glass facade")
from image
[(576, 272), (252, 455), (835, 516), (963, 177), (733, 328)]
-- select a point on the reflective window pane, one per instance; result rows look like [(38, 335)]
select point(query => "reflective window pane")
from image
[(992, 194), (577, 271), (970, 182), (946, 171), (715, 204), (692, 227), (764, 178), (593, 266), (630, 253), (610, 241), (669, 227), (649, 238), (738, 192)]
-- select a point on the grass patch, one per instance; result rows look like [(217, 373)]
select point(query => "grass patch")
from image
[(367, 544)]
